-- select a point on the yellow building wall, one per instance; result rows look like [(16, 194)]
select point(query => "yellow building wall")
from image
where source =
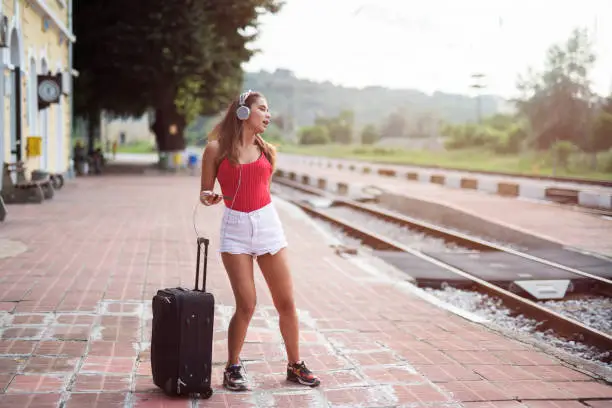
[(58, 10), (40, 44), (7, 10), (46, 45)]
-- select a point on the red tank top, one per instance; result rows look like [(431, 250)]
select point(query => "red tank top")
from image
[(254, 190)]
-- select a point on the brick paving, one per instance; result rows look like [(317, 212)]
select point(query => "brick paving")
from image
[(579, 230), (75, 316)]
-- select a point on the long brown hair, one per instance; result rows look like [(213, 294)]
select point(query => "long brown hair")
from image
[(228, 132)]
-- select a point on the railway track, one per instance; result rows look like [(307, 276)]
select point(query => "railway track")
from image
[(517, 300)]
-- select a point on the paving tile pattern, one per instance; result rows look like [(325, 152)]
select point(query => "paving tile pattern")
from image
[(75, 317)]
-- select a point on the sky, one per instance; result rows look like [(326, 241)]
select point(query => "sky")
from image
[(429, 45)]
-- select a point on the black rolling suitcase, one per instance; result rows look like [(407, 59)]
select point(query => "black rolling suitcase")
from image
[(182, 334)]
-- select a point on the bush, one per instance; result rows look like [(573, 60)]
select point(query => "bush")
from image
[(471, 135), (369, 135), (517, 137), (502, 141), (510, 141), (378, 151), (312, 135), (605, 161), (602, 132), (340, 133), (381, 151), (561, 152)]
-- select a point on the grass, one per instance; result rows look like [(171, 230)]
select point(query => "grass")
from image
[(531, 163), (136, 147)]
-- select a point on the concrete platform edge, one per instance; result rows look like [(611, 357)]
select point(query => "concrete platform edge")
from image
[(584, 196), (446, 215)]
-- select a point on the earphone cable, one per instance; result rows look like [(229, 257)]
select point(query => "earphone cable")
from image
[(195, 208)]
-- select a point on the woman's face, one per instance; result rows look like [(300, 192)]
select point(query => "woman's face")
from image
[(260, 115)]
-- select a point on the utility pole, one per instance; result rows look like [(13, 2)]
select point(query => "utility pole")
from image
[(478, 85)]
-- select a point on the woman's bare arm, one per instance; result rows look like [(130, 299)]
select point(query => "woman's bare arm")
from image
[(209, 172)]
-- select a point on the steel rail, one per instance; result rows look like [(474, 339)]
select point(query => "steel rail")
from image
[(441, 232), (566, 327)]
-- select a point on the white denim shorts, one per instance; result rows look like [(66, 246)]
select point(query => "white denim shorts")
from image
[(255, 233)]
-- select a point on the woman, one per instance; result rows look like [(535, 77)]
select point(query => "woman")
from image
[(243, 164)]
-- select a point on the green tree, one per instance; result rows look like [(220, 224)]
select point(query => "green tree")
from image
[(179, 58), (557, 100)]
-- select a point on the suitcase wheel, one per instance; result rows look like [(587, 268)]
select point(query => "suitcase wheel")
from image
[(207, 394)]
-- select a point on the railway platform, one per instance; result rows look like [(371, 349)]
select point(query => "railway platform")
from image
[(77, 277), (587, 194), (519, 221)]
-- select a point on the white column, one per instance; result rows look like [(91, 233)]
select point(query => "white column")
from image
[(2, 122)]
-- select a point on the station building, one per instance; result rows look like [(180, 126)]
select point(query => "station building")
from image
[(35, 86)]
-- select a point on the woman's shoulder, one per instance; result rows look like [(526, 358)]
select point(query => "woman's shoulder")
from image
[(211, 153), (212, 144), (211, 149)]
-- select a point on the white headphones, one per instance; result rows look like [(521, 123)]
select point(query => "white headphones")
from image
[(243, 112)]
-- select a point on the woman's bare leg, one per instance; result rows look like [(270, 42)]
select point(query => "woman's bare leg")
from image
[(239, 268), (275, 270)]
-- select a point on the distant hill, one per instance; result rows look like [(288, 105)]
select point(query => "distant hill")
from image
[(306, 99)]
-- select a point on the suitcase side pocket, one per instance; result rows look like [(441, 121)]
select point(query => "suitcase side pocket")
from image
[(197, 326), (165, 341)]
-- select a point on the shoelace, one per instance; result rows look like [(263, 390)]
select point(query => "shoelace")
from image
[(234, 373), (301, 367)]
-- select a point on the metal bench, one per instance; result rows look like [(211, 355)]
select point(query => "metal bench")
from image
[(57, 179), (2, 209), (21, 191), (42, 178)]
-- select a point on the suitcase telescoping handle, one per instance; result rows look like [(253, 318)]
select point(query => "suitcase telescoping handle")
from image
[(201, 241)]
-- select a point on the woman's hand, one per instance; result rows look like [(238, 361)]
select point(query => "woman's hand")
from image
[(207, 197)]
